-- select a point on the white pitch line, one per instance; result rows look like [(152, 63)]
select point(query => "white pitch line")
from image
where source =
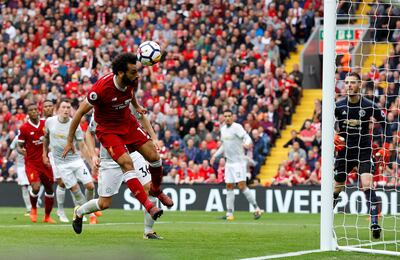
[(161, 222), (283, 255)]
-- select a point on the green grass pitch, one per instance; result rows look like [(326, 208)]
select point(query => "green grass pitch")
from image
[(187, 235)]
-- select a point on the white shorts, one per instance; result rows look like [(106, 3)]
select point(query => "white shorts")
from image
[(73, 172), (111, 176), (21, 176), (56, 174), (235, 172)]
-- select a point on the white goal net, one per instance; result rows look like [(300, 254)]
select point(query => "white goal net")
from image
[(368, 43)]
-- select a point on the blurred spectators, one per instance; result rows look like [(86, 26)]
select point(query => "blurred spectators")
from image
[(223, 54)]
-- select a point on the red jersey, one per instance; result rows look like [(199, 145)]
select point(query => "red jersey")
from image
[(111, 106), (32, 137)]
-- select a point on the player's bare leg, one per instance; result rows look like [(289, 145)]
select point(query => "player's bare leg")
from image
[(250, 198), (372, 203), (149, 152)]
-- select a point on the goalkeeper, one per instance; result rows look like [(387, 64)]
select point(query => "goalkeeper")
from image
[(353, 144)]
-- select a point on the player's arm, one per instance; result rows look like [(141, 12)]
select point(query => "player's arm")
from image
[(21, 143), (217, 153), (91, 147), (338, 140), (83, 109), (13, 146), (46, 142), (242, 134), (380, 117), (134, 102), (85, 153), (145, 122)]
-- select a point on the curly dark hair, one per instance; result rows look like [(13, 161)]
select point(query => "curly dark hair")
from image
[(120, 62)]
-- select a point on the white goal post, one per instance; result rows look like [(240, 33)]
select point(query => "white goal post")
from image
[(354, 234)]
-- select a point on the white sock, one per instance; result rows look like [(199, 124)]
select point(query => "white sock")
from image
[(60, 194), (250, 198), (230, 202), (89, 194), (39, 201), (25, 197), (89, 207), (79, 197), (148, 221), (73, 198)]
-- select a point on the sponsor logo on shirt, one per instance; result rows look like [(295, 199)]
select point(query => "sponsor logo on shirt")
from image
[(122, 105)]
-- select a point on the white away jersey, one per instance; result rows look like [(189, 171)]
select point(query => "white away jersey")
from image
[(58, 133), (232, 138)]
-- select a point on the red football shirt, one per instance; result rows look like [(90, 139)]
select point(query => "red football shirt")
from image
[(32, 137), (111, 106)]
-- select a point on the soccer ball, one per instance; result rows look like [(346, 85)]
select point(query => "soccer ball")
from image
[(149, 53)]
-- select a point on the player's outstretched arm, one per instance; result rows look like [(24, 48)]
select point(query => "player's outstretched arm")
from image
[(141, 110), (145, 122), (83, 109)]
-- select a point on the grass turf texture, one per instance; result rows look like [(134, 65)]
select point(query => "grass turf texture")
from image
[(187, 235)]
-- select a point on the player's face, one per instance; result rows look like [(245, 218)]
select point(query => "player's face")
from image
[(228, 118), (65, 109), (129, 77), (33, 112), (48, 109), (352, 85)]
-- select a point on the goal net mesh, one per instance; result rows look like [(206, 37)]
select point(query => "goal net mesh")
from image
[(368, 42)]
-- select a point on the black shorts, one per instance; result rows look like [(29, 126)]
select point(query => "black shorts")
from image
[(347, 159)]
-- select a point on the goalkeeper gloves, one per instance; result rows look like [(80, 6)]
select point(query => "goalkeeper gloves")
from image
[(339, 142)]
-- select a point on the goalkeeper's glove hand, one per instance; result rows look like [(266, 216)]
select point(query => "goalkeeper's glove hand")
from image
[(339, 142)]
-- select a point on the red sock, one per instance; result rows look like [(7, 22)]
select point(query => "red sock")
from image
[(48, 204), (33, 201), (156, 177), (137, 190)]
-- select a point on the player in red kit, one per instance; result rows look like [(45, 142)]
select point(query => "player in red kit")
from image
[(30, 144), (120, 133)]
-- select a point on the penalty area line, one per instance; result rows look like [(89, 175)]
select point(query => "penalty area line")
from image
[(283, 255)]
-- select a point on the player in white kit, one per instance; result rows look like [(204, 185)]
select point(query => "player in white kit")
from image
[(111, 175), (71, 168), (234, 139), (48, 111), (21, 175)]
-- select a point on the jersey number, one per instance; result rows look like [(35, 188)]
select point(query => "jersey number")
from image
[(144, 170)]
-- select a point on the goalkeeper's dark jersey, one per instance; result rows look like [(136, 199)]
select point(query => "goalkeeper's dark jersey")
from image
[(353, 120)]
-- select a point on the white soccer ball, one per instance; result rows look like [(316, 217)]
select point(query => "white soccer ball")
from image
[(148, 53)]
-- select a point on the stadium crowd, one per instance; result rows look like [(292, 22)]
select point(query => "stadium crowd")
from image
[(221, 54)]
